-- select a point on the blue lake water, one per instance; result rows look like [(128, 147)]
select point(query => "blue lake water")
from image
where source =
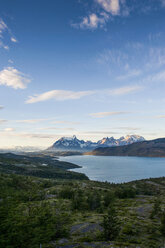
[(118, 169)]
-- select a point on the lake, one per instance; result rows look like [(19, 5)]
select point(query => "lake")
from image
[(118, 169)]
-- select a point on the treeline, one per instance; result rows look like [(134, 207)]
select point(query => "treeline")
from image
[(49, 171), (39, 166)]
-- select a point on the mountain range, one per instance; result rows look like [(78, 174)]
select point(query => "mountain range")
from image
[(74, 144), (151, 148)]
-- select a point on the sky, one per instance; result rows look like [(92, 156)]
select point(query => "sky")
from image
[(87, 68)]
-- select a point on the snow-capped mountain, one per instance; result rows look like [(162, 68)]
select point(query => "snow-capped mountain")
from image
[(74, 144)]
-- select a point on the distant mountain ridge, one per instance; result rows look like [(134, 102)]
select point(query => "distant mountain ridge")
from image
[(151, 148), (21, 149), (74, 144)]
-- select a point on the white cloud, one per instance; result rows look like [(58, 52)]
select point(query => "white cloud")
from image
[(1, 107), (11, 77), (111, 6), (59, 95), (104, 114), (6, 47), (125, 90), (9, 129), (63, 95), (13, 39), (93, 21), (108, 8)]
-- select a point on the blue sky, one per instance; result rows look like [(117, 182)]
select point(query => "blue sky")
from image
[(91, 68)]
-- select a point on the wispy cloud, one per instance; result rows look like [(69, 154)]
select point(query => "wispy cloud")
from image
[(105, 114), (10, 61), (32, 121), (3, 121), (66, 122), (125, 90), (63, 95), (11, 77), (152, 59), (1, 107), (160, 117), (107, 133), (127, 128), (59, 95), (10, 132), (113, 58), (155, 57), (130, 74), (9, 129), (157, 77), (58, 128), (4, 28), (134, 45)]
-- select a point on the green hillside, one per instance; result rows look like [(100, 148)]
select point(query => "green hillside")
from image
[(73, 213)]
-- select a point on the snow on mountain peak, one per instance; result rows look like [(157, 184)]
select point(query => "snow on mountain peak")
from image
[(68, 138), (72, 143)]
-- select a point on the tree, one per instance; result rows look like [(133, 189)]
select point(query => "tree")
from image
[(111, 224), (28, 225), (108, 198), (162, 227), (156, 209), (93, 201)]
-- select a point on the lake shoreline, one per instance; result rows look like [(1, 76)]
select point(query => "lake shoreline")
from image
[(117, 169)]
